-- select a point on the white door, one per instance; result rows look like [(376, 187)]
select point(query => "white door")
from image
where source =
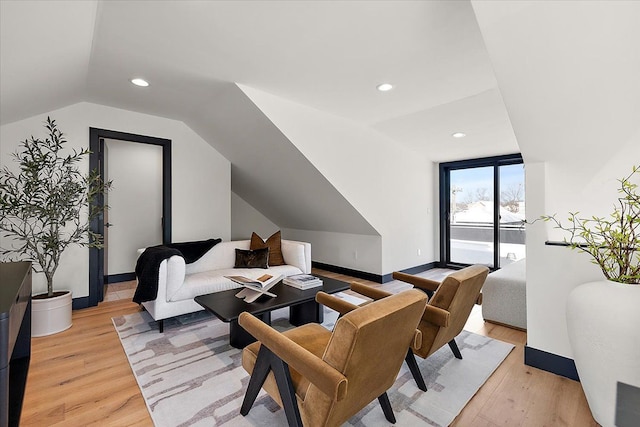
[(135, 202)]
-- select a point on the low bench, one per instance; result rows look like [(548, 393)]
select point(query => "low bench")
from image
[(505, 297)]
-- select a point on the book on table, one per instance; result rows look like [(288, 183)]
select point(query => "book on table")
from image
[(302, 281), (255, 288)]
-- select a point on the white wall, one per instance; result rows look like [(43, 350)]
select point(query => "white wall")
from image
[(245, 219), (354, 251), (568, 74), (201, 178), (389, 185), (552, 271)]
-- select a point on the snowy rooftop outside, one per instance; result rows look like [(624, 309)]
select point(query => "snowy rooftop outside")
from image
[(472, 215), (481, 212)]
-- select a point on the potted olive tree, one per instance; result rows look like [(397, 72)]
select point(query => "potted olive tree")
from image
[(45, 207), (603, 316)]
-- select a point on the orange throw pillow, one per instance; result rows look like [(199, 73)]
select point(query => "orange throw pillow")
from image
[(274, 243)]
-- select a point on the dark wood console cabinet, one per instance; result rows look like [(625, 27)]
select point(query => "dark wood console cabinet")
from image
[(15, 338)]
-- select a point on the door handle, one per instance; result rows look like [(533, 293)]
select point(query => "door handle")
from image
[(108, 224)]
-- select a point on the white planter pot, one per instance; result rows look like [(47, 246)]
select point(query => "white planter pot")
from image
[(603, 321), (51, 315)]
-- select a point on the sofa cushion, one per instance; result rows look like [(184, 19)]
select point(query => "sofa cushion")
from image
[(203, 283), (252, 259), (274, 243), (222, 255), (285, 270)]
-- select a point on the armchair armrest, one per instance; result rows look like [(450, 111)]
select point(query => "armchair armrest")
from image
[(337, 304), (322, 375), (368, 291), (417, 281), (436, 316)]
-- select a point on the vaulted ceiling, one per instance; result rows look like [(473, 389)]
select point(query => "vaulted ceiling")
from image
[(326, 55)]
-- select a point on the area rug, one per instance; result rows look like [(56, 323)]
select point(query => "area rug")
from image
[(191, 376)]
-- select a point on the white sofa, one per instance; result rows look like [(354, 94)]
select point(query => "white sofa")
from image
[(180, 283)]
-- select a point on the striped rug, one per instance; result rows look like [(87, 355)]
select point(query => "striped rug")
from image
[(191, 376)]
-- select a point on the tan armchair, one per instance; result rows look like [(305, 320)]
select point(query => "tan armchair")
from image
[(322, 378), (449, 307)]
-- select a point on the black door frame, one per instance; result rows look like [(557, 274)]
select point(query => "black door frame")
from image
[(444, 199), (96, 162)]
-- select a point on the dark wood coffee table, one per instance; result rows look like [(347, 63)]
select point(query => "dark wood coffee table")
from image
[(303, 307)]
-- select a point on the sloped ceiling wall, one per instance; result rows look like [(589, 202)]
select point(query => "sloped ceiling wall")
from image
[(389, 184), (568, 73), (45, 53), (270, 172), (84, 61)]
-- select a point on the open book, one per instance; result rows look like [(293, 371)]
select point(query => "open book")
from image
[(255, 288)]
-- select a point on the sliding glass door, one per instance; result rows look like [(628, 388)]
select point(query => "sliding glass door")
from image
[(482, 211), (471, 216)]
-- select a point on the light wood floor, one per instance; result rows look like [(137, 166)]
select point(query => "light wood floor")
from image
[(81, 377)]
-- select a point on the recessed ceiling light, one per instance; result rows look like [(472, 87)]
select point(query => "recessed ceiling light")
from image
[(140, 82), (459, 135), (384, 87)]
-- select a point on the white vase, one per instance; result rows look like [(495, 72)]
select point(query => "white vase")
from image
[(51, 315), (603, 321)]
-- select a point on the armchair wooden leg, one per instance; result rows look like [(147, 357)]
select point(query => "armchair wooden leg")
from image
[(287, 392), (258, 377), (386, 408), (454, 348), (415, 370), (268, 361), (161, 325)]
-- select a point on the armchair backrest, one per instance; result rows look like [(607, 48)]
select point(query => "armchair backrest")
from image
[(368, 346), (457, 294)]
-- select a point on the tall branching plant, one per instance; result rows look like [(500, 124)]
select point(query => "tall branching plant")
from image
[(614, 242), (43, 205)]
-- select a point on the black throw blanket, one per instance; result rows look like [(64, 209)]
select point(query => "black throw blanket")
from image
[(193, 251), (149, 262)]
